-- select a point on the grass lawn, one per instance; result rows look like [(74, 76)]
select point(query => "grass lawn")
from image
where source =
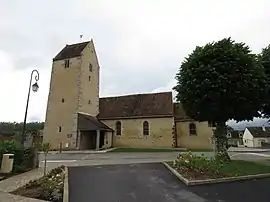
[(148, 150), (235, 168)]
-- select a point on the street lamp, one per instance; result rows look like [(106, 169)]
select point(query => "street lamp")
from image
[(35, 89)]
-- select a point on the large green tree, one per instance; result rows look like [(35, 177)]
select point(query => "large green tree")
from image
[(220, 81), (264, 59)]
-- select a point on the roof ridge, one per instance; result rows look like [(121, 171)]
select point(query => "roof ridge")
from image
[(75, 44), (136, 94)]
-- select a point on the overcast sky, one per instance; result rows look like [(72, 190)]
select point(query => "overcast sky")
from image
[(140, 43)]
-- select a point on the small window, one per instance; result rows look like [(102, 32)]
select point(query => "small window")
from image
[(145, 128), (192, 129), (90, 67), (59, 129), (89, 102), (63, 100), (66, 63), (118, 128), (89, 78), (229, 135)]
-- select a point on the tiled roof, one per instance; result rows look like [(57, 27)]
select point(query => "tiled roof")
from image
[(137, 105), (258, 131), (234, 134), (179, 112), (71, 51), (88, 122)]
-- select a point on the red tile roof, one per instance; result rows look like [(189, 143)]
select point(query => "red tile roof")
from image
[(136, 105)]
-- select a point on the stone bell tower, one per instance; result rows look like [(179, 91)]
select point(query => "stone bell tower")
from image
[(74, 88)]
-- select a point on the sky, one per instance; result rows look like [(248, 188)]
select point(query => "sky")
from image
[(140, 43)]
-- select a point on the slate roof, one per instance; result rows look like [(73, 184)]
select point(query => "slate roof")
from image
[(179, 112), (258, 131), (71, 51), (235, 134), (88, 122), (136, 105)]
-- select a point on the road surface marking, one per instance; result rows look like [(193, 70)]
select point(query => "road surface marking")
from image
[(59, 161), (254, 154)]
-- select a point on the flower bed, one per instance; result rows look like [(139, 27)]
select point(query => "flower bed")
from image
[(194, 167), (50, 187)]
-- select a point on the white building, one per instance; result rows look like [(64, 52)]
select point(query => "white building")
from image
[(256, 136)]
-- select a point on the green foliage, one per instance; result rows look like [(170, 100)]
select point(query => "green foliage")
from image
[(220, 81), (200, 164), (46, 146), (12, 128), (264, 58), (23, 158), (50, 187), (53, 186)]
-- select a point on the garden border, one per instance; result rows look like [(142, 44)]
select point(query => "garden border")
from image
[(214, 181), (65, 193)]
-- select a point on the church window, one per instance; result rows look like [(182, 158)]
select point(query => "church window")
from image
[(66, 63), (192, 129), (90, 67), (118, 128), (63, 100), (59, 129), (89, 78), (89, 102), (145, 128)]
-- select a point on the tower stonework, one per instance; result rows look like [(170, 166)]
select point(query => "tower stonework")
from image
[(74, 88)]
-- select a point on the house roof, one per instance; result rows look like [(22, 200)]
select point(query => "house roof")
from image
[(179, 112), (259, 132), (234, 134), (88, 122), (71, 51), (136, 105)]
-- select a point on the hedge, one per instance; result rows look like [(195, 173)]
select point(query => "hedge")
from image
[(24, 159)]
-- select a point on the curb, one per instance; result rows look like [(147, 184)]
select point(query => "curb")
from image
[(214, 181), (65, 194), (80, 152)]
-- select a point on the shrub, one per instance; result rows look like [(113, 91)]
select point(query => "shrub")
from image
[(199, 164), (23, 158)]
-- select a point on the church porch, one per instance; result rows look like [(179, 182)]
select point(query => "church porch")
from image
[(92, 133)]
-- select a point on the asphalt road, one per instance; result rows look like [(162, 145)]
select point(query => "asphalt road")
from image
[(77, 159), (127, 183), (154, 183)]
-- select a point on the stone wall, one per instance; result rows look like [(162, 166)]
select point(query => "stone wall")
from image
[(160, 133), (200, 141)]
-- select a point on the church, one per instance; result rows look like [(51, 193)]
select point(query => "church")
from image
[(77, 118)]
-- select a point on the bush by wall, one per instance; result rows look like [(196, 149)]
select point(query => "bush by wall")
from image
[(24, 159)]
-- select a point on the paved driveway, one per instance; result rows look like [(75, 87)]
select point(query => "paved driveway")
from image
[(127, 183), (152, 182)]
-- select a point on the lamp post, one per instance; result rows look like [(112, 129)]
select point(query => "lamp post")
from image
[(35, 89)]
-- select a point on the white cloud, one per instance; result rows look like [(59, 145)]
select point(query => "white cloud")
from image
[(139, 43)]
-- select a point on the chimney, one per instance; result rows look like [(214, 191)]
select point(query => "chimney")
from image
[(263, 128)]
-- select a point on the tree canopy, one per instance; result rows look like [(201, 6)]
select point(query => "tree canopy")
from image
[(220, 81), (264, 58), (11, 128)]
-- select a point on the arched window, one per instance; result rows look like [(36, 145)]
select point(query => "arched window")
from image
[(145, 128), (192, 129), (118, 128)]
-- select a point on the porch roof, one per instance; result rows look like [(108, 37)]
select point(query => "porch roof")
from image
[(88, 122)]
